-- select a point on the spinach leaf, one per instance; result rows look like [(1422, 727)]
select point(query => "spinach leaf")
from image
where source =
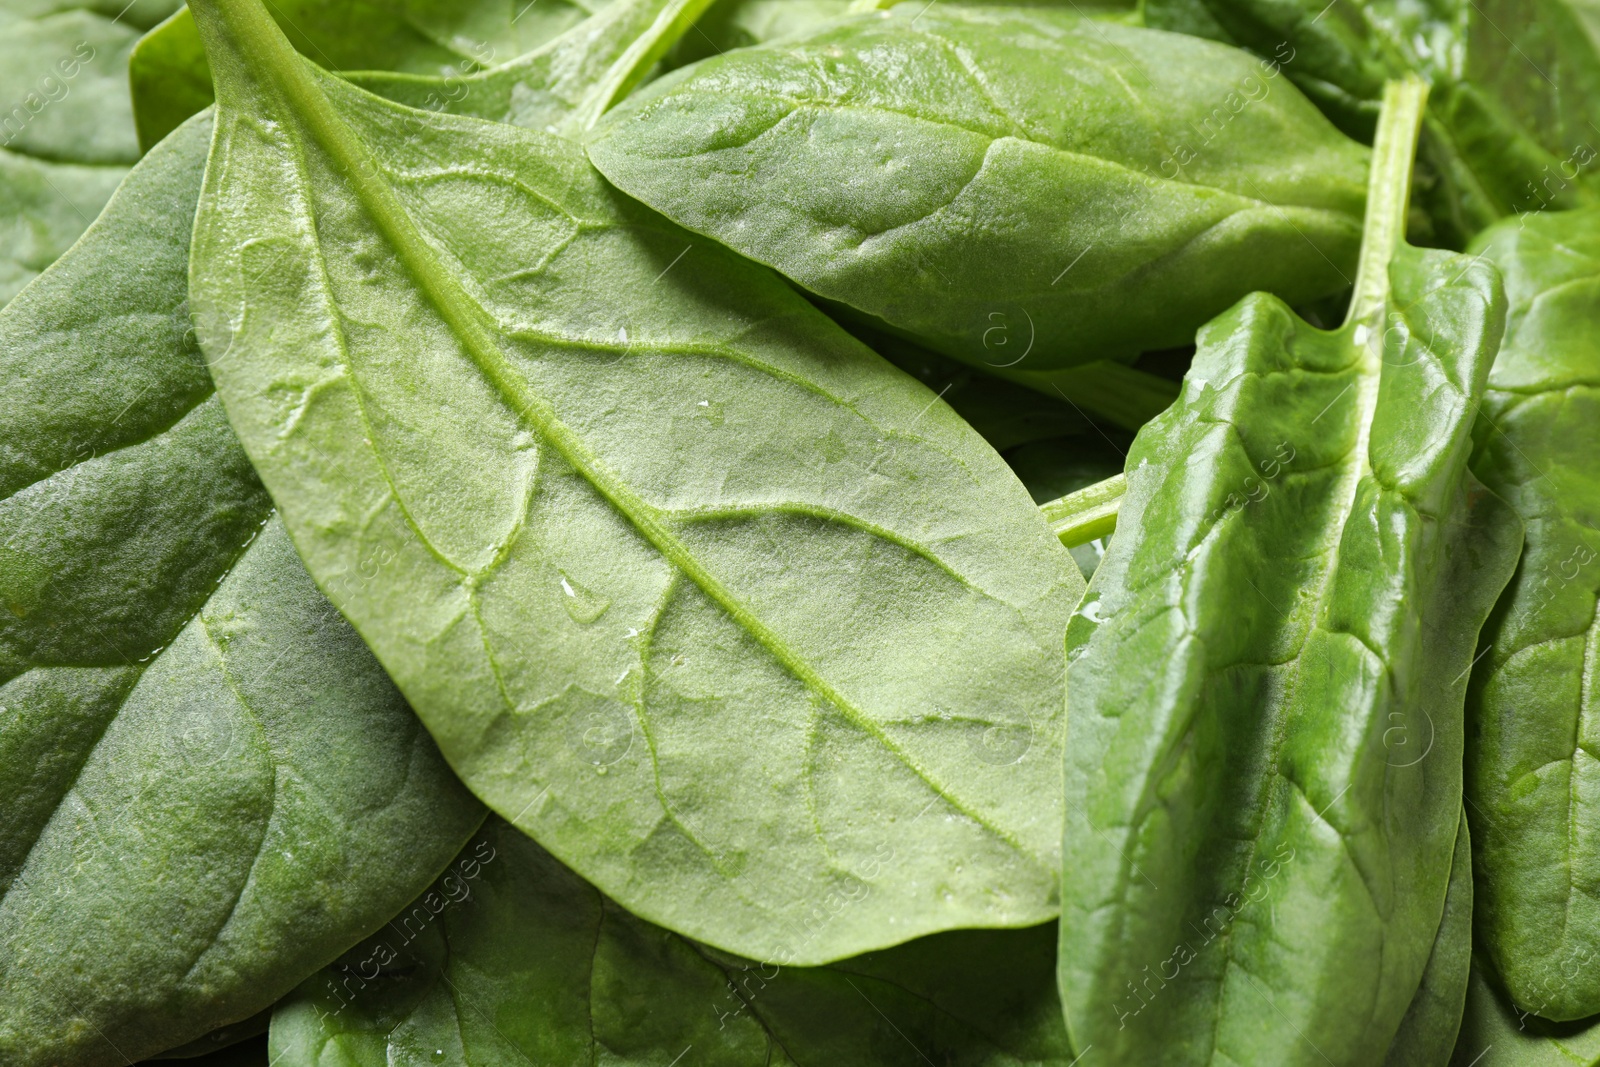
[(732, 24), (66, 134), (449, 38), (1033, 198), (1532, 775), (562, 87), (44, 207), (1428, 1032), (64, 82), (1496, 1034), (689, 585), (743, 23), (511, 959), (1267, 673), (204, 773), (1515, 84)]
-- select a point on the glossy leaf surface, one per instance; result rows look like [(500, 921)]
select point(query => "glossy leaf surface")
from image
[(210, 787), (1428, 1032), (1515, 86), (1018, 188), (1267, 673), (444, 38), (512, 959), (1534, 757), (689, 585)]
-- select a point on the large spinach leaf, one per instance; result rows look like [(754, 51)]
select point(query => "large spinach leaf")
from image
[(447, 38), (690, 586), (206, 778), (1023, 189), (1267, 672), (511, 959), (1533, 768), (66, 133), (1515, 87)]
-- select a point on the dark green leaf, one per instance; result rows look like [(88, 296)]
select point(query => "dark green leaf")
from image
[(1533, 780), (1428, 1032), (1496, 1034), (1516, 84), (1267, 673), (512, 960), (210, 788), (1022, 189), (689, 585)]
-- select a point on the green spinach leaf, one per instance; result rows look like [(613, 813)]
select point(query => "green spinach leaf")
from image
[(511, 959), (205, 775), (1022, 189), (1267, 673), (690, 586), (562, 87), (66, 134), (1496, 1034), (1428, 1032), (44, 207), (447, 38), (732, 24), (1533, 775), (1515, 84)]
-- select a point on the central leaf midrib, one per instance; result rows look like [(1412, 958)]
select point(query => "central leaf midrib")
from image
[(309, 105)]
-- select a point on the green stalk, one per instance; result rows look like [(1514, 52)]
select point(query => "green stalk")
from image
[(1388, 196), (1091, 512), (673, 20)]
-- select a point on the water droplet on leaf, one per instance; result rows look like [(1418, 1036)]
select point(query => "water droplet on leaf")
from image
[(583, 604)]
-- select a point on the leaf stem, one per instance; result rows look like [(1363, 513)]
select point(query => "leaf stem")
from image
[(1394, 152), (1091, 512), (672, 20)]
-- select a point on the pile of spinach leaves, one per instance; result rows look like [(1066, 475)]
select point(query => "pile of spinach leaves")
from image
[(832, 532)]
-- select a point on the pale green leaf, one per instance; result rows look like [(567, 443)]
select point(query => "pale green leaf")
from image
[(689, 585)]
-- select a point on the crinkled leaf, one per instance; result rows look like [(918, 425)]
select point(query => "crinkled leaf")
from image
[(1023, 189), (449, 38), (689, 585), (206, 778), (1267, 674), (511, 959), (1533, 767)]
